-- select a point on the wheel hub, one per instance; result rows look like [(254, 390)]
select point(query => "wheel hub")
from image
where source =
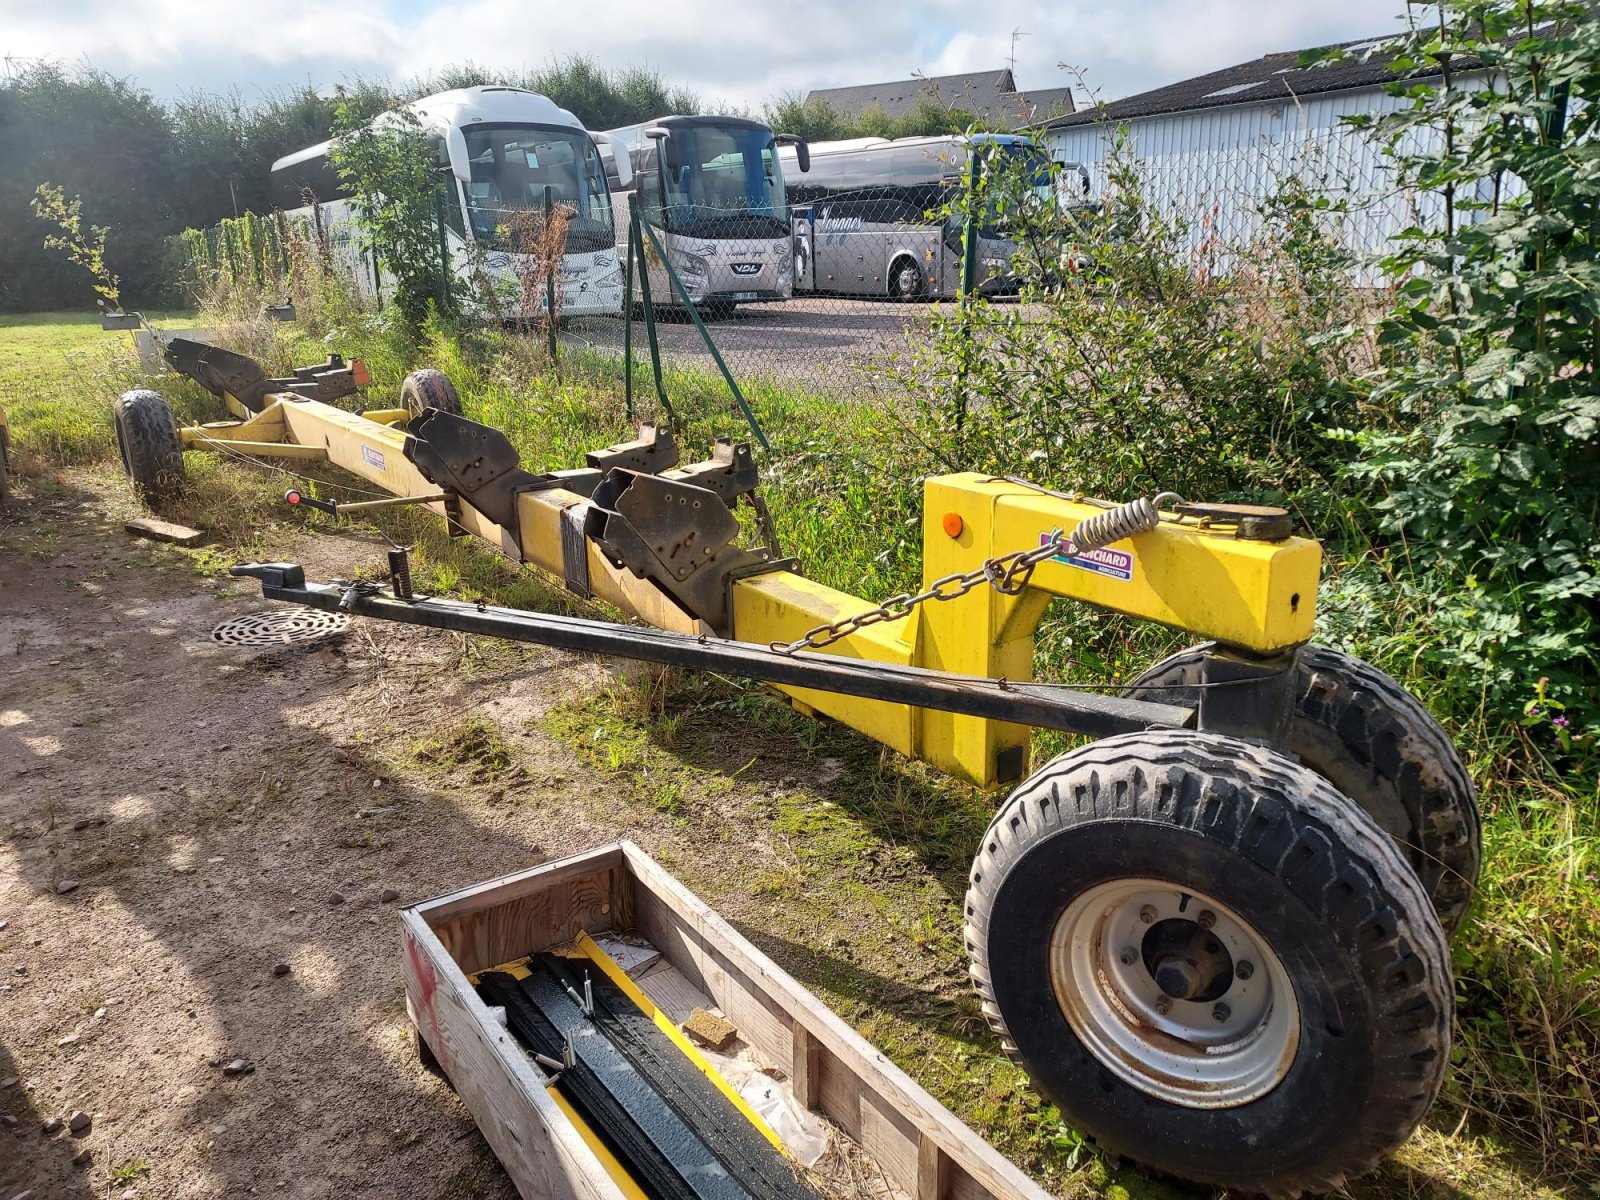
[(1174, 993)]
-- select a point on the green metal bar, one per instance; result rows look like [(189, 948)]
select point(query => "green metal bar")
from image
[(650, 316), (549, 284), (445, 301), (969, 279), (627, 322), (733, 385)]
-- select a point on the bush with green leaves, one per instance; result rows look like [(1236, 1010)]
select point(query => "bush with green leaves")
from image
[(1492, 352), (1135, 363)]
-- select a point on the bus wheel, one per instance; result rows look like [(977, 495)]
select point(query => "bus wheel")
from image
[(147, 439), (428, 388), (1213, 962), (1376, 743), (905, 280)]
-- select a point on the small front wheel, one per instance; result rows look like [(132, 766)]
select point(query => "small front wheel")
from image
[(1212, 961), (429, 388), (147, 438)]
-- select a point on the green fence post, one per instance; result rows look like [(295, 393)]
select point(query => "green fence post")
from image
[(446, 300), (694, 316), (650, 316), (969, 280), (549, 284), (627, 320)]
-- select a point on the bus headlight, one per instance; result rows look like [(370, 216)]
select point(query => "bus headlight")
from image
[(692, 269)]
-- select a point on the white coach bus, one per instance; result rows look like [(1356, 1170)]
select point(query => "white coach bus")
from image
[(719, 208), (867, 223), (503, 149)]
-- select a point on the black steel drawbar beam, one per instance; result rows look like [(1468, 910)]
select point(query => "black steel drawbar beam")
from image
[(1038, 705)]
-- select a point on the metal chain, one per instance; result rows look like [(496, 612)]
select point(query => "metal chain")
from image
[(1008, 574)]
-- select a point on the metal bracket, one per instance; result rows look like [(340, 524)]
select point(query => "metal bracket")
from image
[(1250, 698), (652, 452), (730, 472), (475, 461), (1251, 522), (678, 534), (218, 371)]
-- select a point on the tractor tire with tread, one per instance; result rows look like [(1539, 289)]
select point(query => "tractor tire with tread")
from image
[(428, 388), (5, 466), (147, 439), (1339, 913), (1376, 743)]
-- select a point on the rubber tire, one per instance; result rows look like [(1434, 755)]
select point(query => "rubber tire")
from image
[(897, 289), (1376, 743), (147, 438), (1308, 869), (429, 388), (5, 465)]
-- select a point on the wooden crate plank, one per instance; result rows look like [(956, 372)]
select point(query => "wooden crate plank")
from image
[(530, 882), (539, 1148), (930, 1170), (805, 1069), (165, 531)]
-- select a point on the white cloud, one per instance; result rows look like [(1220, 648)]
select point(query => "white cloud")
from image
[(742, 53)]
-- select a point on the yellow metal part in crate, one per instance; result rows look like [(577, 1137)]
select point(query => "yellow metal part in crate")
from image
[(1255, 596)]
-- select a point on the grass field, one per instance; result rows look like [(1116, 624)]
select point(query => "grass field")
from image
[(843, 489)]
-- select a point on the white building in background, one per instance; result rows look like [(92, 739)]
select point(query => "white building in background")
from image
[(1217, 147)]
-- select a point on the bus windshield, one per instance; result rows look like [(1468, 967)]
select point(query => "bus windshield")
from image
[(514, 167), (727, 182)]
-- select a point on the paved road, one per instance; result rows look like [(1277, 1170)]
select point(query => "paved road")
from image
[(825, 342)]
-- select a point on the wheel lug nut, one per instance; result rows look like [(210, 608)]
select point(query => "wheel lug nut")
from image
[(1147, 914), (1222, 1012), (1245, 969), (1207, 919), (1163, 1004), (1129, 956)]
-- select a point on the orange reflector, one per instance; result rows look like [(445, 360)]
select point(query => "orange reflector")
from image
[(292, 497), (953, 524), (359, 372)]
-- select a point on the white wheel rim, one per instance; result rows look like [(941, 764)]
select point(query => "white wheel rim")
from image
[(1232, 1043)]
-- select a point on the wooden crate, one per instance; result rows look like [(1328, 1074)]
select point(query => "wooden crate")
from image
[(923, 1149)]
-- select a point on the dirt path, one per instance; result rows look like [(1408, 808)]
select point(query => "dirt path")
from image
[(175, 820)]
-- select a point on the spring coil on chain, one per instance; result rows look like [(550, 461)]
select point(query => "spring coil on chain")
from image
[(1006, 573), (1125, 520)]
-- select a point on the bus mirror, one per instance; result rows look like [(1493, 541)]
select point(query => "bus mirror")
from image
[(460, 161), (665, 151), (621, 159), (802, 151)]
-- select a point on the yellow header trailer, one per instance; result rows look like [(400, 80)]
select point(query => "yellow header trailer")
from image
[(1194, 933)]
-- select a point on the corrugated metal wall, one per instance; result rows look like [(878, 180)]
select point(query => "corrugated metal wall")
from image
[(1218, 166)]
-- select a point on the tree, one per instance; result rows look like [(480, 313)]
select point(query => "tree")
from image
[(393, 171), (103, 140)]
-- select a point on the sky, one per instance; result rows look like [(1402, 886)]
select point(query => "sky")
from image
[(735, 53)]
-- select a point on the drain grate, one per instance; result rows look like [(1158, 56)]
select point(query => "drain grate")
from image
[(280, 627)]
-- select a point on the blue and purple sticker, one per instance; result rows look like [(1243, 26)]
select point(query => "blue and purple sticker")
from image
[(1114, 564)]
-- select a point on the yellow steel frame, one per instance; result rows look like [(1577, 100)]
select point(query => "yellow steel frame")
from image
[(1254, 596)]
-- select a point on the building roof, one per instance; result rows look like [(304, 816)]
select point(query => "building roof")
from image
[(1275, 77), (991, 96)]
